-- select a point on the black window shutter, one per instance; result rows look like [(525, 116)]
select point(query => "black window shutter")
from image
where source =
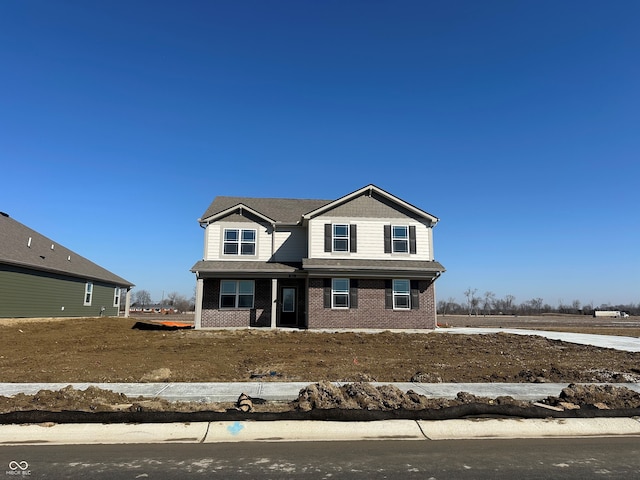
[(353, 233), (388, 294), (387, 239), (353, 293), (327, 293), (412, 239), (415, 295), (327, 237)]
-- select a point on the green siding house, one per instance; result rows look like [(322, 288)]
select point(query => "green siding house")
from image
[(40, 278)]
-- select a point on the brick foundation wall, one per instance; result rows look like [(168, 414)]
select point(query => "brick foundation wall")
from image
[(371, 312), (213, 317)]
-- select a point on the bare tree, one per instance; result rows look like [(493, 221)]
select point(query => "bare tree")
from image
[(508, 303), (472, 300), (489, 299), (445, 306), (562, 308), (575, 306), (142, 298), (536, 304)]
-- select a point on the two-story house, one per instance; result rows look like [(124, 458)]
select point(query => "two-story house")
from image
[(364, 260)]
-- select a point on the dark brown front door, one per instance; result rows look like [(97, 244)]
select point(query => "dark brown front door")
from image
[(288, 306)]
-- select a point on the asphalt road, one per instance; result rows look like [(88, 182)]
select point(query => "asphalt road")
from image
[(575, 458)]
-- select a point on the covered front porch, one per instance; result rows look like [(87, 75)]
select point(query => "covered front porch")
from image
[(268, 295)]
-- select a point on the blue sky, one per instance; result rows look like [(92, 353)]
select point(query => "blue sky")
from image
[(516, 123)]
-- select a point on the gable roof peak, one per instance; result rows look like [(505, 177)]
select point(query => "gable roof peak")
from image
[(370, 189)]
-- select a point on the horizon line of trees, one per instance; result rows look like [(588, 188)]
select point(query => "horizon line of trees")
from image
[(488, 304), (176, 300)]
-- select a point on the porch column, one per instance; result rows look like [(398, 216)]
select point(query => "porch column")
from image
[(197, 321), (127, 302), (274, 301)]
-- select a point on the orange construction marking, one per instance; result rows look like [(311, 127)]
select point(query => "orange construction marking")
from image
[(176, 324)]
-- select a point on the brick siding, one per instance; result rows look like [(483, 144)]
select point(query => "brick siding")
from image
[(213, 317), (371, 311)]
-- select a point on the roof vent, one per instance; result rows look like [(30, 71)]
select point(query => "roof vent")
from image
[(29, 242), (4, 214), (69, 258), (53, 247)]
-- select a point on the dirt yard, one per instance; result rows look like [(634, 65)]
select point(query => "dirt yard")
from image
[(111, 350)]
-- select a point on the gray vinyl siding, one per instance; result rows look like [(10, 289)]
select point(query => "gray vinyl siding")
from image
[(370, 206), (29, 293)]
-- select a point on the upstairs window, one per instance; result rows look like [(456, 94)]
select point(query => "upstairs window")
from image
[(239, 241), (236, 293), (340, 237), (88, 293), (400, 238)]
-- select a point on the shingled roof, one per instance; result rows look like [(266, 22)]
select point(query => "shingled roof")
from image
[(281, 210), (21, 246)]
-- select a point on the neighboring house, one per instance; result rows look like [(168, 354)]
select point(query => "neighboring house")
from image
[(40, 278), (362, 261)]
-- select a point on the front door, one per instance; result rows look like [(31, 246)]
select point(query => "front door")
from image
[(288, 306)]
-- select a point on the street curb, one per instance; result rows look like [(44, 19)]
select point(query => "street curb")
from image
[(314, 431), (483, 428), (309, 430), (91, 434)]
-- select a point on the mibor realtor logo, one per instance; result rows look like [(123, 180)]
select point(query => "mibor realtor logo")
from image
[(18, 468)]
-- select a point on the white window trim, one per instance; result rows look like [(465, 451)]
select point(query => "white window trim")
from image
[(237, 295), (335, 292), (334, 237), (239, 242), (396, 294), (394, 239), (88, 294), (116, 297)]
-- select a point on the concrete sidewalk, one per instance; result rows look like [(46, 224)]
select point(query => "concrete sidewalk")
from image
[(627, 344), (287, 391)]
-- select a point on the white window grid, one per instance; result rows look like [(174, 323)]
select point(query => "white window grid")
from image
[(400, 238), (239, 241), (401, 295), (340, 293), (341, 237)]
